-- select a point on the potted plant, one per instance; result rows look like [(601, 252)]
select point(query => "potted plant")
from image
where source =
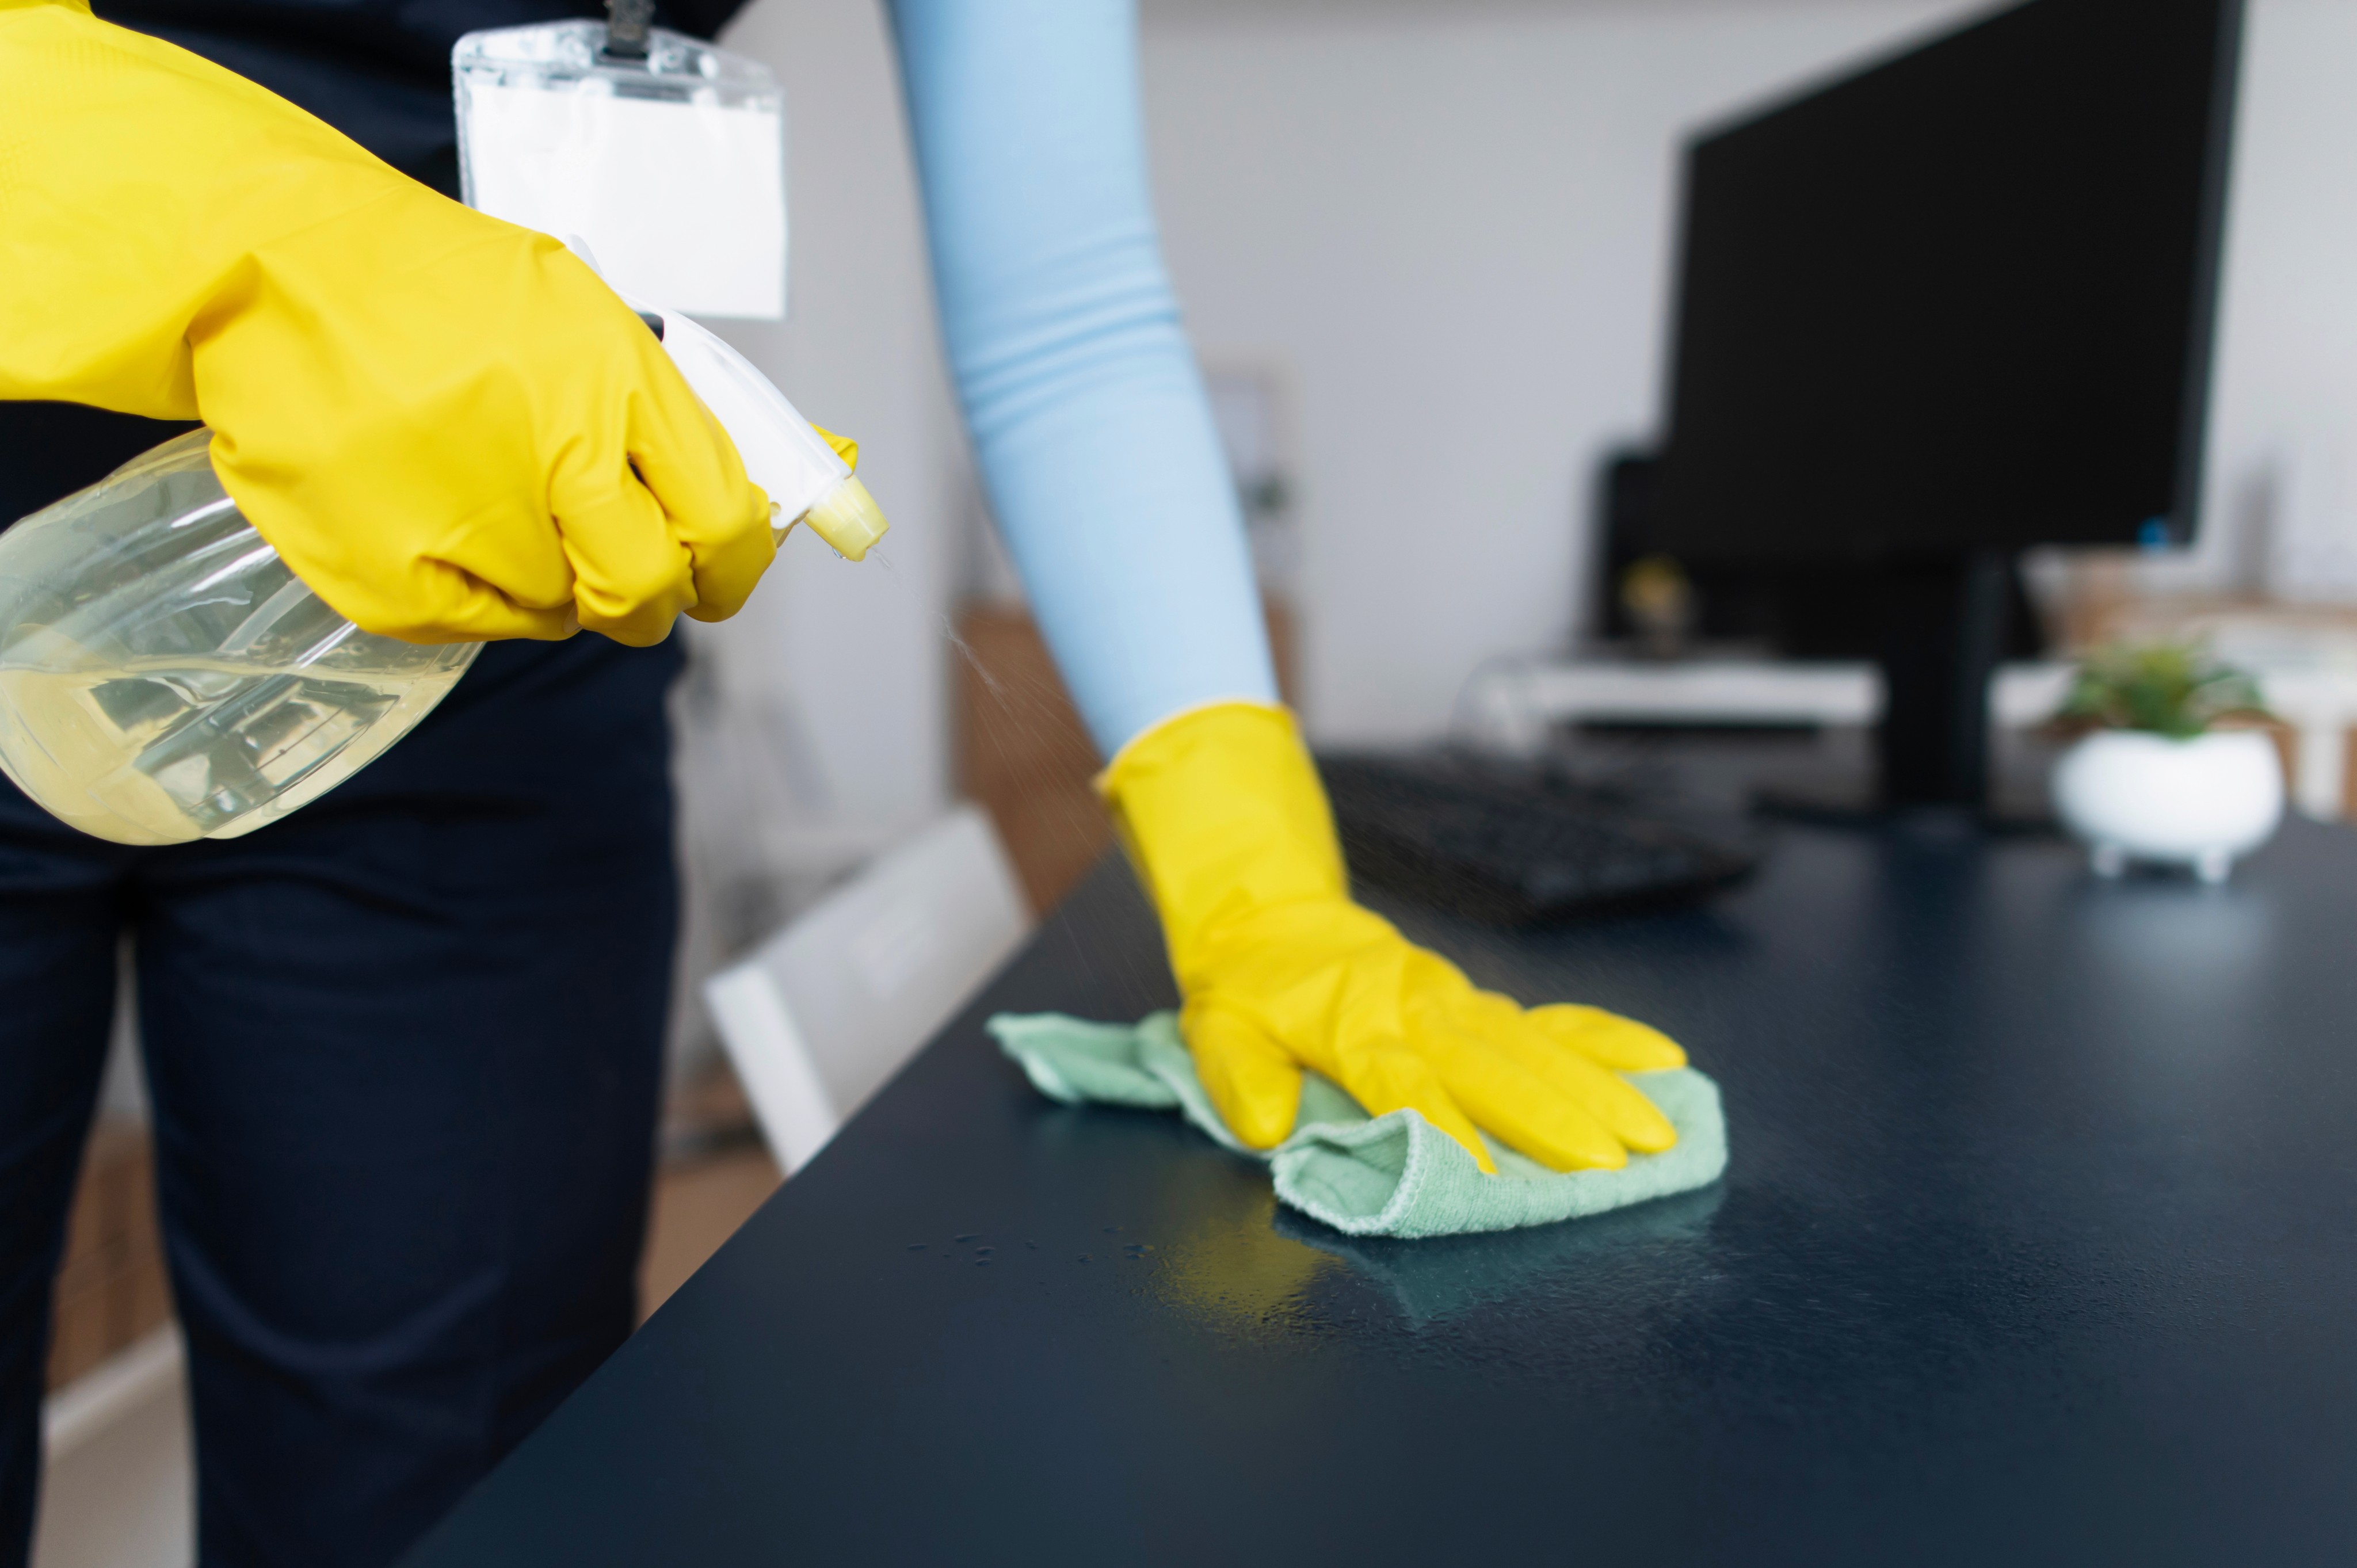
[(2169, 766)]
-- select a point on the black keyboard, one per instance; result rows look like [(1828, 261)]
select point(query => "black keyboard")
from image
[(1513, 846)]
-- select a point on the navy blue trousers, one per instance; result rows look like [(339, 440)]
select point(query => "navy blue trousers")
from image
[(403, 1050)]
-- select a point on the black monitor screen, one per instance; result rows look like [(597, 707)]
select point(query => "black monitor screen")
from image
[(1961, 301)]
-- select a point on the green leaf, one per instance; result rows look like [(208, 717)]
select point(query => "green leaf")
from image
[(2174, 689)]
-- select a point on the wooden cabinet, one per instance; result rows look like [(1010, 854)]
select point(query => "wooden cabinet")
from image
[(110, 1290)]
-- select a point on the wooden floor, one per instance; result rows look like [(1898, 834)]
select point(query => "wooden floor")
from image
[(698, 1204), (111, 1291)]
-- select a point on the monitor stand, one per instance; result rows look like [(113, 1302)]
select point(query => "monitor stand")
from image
[(1943, 633)]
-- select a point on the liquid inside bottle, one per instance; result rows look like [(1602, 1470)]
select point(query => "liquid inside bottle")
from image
[(177, 750), (165, 677)]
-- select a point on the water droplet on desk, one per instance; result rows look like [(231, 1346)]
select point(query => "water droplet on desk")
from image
[(982, 1262), (916, 1246), (1084, 1257), (968, 1236), (1033, 1245)]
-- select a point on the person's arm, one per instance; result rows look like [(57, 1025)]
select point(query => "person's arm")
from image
[(1097, 448), (1086, 408), (448, 426)]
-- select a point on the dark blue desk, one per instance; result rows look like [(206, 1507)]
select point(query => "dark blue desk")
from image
[(2039, 1246)]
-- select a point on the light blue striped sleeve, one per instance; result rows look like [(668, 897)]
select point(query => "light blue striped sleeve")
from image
[(1086, 408)]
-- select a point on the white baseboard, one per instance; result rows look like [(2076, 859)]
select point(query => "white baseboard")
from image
[(117, 1481), (108, 1393)]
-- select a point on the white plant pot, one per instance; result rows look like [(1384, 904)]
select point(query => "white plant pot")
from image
[(2130, 795)]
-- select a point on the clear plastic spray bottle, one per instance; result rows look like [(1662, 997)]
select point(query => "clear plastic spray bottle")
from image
[(164, 676)]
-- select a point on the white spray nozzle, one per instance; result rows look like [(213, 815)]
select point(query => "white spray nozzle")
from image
[(804, 478)]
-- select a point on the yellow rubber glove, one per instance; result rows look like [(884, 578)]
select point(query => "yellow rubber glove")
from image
[(1225, 820), (448, 426)]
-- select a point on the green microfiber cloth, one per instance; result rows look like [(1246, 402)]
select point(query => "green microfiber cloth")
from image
[(1389, 1176)]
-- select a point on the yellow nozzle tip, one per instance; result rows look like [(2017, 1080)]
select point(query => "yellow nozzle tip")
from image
[(849, 519)]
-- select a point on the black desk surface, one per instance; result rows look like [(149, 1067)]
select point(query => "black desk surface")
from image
[(2038, 1245)]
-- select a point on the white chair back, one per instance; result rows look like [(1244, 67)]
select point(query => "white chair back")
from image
[(827, 1010)]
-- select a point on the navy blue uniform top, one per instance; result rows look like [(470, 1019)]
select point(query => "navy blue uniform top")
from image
[(379, 71)]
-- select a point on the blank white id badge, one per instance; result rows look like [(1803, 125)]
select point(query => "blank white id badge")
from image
[(671, 167)]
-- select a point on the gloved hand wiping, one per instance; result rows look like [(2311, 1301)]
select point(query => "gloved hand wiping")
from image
[(1223, 815), (448, 426)]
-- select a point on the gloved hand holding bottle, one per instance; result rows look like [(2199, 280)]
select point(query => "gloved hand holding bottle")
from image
[(448, 426), (1227, 824)]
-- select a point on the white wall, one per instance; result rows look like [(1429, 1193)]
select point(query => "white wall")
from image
[(2283, 437), (854, 652)]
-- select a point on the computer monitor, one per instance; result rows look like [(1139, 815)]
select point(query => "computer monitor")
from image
[(1957, 304)]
